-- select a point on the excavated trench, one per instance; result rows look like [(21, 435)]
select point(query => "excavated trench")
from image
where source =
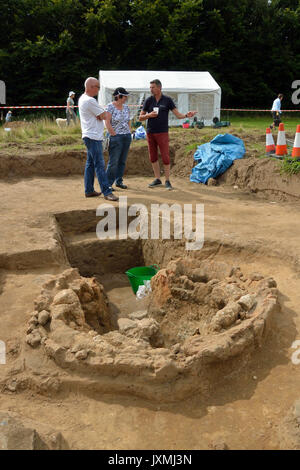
[(89, 334), (108, 260), (260, 176), (202, 321)]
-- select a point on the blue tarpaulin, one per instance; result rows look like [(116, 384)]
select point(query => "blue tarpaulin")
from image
[(216, 157), (140, 133)]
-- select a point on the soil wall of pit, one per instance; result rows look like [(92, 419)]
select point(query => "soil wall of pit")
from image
[(97, 257), (262, 176), (70, 162)]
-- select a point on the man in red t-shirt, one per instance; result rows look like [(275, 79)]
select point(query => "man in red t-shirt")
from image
[(156, 110)]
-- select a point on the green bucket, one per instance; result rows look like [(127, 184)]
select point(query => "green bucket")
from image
[(138, 275)]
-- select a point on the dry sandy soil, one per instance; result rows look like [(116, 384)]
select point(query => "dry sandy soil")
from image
[(46, 223)]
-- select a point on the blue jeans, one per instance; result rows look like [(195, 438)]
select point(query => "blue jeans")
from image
[(118, 150), (95, 164)]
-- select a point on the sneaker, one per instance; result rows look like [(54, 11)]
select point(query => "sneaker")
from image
[(111, 197), (168, 185), (121, 185), (154, 183), (93, 194)]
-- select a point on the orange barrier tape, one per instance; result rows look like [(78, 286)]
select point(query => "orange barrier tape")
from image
[(31, 107), (262, 110), (43, 107), (139, 106)]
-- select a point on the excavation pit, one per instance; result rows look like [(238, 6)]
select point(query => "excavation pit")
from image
[(202, 321), (226, 396)]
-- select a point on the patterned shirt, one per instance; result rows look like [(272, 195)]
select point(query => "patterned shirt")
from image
[(119, 118)]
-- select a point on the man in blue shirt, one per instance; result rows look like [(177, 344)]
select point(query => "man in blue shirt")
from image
[(156, 110), (276, 111)]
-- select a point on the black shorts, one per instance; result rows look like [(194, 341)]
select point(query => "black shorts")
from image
[(276, 117)]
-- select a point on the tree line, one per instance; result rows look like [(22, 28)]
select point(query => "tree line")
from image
[(251, 47)]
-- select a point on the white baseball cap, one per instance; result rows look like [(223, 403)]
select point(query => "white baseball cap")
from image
[(71, 93)]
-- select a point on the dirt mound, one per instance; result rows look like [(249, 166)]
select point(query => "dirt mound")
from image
[(262, 176), (185, 149), (259, 175), (193, 298), (199, 316), (70, 301)]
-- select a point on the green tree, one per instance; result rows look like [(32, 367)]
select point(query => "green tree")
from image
[(251, 47)]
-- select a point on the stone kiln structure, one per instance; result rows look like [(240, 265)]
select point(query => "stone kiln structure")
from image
[(204, 320)]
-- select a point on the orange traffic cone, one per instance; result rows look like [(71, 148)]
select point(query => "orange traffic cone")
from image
[(281, 147), (296, 148), (270, 145)]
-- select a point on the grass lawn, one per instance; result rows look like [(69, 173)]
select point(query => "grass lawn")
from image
[(43, 131), (261, 121)]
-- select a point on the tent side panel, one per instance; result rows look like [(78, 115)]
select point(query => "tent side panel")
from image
[(217, 106), (204, 104)]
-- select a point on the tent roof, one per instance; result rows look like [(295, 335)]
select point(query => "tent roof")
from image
[(139, 80)]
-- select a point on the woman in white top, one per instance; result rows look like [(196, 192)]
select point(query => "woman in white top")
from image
[(118, 126)]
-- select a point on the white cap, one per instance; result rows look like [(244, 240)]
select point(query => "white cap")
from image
[(71, 93)]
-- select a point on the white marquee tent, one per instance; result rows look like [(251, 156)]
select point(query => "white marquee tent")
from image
[(2, 92), (190, 91)]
